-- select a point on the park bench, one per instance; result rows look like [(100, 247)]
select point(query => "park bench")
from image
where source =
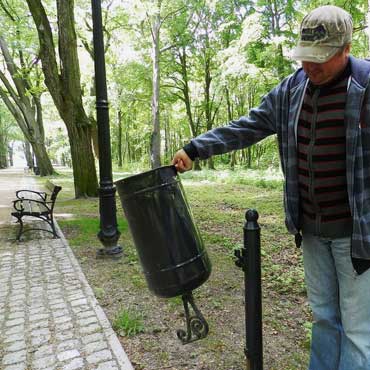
[(36, 204)]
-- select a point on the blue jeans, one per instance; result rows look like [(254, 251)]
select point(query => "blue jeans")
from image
[(340, 303)]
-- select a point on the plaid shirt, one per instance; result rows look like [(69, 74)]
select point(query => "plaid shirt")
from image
[(278, 114)]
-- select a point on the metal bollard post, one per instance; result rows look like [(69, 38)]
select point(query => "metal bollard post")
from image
[(249, 259)]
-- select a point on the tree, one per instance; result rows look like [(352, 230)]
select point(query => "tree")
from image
[(63, 83), (8, 133), (21, 91), (149, 18)]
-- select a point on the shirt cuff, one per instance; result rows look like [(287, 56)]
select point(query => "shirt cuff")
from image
[(191, 151)]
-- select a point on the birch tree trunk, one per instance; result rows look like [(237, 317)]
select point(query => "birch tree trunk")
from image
[(155, 150)]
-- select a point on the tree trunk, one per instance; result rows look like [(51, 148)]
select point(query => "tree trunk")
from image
[(119, 144), (28, 155), (11, 152), (25, 119), (197, 166), (280, 58), (128, 143), (155, 147), (208, 109), (3, 152), (25, 107), (82, 165), (230, 117), (186, 92), (64, 85), (42, 159), (167, 140)]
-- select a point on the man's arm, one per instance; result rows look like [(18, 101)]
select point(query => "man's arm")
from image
[(239, 134)]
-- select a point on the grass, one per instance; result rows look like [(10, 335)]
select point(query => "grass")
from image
[(128, 323), (83, 229), (218, 200)]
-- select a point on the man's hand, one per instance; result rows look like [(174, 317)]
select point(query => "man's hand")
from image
[(181, 161)]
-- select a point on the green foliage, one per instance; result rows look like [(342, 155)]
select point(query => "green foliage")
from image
[(217, 60), (128, 323), (8, 133)]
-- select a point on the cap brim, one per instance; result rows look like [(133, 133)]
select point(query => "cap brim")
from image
[(315, 54)]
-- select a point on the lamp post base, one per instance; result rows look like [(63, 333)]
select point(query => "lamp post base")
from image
[(109, 240), (111, 252)]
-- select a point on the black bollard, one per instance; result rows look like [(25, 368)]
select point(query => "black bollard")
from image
[(249, 259)]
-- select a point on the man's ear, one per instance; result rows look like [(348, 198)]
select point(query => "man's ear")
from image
[(347, 49)]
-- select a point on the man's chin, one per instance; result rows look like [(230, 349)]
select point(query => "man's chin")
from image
[(316, 80)]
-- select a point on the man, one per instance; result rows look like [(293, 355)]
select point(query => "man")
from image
[(321, 115)]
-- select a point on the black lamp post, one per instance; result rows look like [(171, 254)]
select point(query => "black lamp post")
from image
[(108, 234)]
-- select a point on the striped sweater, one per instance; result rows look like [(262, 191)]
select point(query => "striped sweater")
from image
[(321, 144)]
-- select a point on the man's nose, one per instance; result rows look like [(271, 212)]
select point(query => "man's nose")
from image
[(311, 66)]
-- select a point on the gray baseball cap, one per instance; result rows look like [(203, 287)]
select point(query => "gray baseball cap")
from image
[(323, 32)]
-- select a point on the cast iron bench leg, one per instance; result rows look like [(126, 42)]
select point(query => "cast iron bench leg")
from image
[(20, 231)]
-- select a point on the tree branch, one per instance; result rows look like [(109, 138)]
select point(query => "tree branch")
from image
[(16, 114), (5, 8), (8, 86), (47, 50), (19, 82), (170, 14), (168, 47)]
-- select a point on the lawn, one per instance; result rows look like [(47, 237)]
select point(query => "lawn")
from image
[(147, 325)]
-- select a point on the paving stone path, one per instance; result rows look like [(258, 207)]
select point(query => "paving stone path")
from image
[(49, 317)]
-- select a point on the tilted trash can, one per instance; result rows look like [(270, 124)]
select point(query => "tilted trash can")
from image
[(168, 242)]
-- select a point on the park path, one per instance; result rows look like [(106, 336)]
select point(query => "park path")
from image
[(49, 317)]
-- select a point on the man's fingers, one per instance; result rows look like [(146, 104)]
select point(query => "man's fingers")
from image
[(180, 166), (181, 161)]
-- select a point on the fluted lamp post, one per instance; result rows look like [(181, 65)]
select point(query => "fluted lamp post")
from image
[(108, 234)]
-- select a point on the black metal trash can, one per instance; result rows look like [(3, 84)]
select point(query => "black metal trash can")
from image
[(170, 248)]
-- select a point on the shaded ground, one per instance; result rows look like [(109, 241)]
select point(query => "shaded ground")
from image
[(219, 213)]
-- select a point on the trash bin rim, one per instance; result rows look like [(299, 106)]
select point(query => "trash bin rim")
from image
[(148, 190), (133, 177)]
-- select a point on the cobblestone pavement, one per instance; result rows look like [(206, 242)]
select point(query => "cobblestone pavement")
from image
[(49, 317)]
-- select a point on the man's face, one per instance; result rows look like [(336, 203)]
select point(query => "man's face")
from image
[(322, 73)]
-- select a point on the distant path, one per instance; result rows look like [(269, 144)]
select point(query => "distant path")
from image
[(11, 180)]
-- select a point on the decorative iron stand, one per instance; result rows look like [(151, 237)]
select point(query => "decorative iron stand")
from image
[(108, 234), (196, 325), (249, 259)]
